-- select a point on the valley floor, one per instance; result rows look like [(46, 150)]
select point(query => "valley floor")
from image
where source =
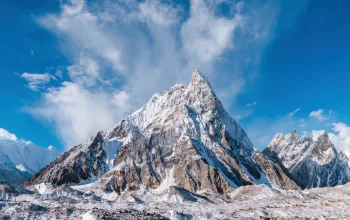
[(249, 202)]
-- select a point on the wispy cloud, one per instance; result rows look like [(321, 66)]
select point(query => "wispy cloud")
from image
[(86, 71), (37, 81), (318, 115), (251, 104), (293, 112), (205, 36)]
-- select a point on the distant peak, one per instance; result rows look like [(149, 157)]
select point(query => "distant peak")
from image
[(323, 135), (319, 135)]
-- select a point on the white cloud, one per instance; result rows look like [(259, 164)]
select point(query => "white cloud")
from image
[(293, 112), (4, 134), (251, 104), (83, 29), (37, 81), (318, 115), (205, 36), (85, 72), (78, 113), (158, 13), (341, 137)]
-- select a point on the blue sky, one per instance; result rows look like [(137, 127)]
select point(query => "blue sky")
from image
[(71, 68)]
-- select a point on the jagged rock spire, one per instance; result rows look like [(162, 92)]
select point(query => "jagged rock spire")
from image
[(323, 135), (294, 136)]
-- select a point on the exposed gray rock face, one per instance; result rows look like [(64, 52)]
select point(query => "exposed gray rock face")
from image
[(182, 137), (274, 169), (312, 163), (80, 163)]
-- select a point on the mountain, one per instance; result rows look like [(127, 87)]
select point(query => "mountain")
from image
[(182, 137), (19, 160), (311, 162)]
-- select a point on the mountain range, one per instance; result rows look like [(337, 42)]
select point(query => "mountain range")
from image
[(313, 162), (180, 156)]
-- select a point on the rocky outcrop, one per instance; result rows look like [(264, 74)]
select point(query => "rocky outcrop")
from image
[(82, 162), (312, 162), (182, 137), (275, 170)]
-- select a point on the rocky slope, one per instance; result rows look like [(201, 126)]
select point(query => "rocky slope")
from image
[(311, 162), (19, 160), (182, 137)]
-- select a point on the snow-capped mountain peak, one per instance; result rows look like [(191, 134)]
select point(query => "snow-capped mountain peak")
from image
[(182, 137)]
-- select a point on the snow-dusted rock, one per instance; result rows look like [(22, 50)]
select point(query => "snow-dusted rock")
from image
[(182, 137), (312, 162)]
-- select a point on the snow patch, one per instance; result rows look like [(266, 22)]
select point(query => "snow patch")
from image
[(21, 167), (167, 181)]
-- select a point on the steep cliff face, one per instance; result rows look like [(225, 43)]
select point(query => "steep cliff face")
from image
[(312, 162), (182, 137)]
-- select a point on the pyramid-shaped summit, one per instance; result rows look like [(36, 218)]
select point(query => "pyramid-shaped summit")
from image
[(181, 137)]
